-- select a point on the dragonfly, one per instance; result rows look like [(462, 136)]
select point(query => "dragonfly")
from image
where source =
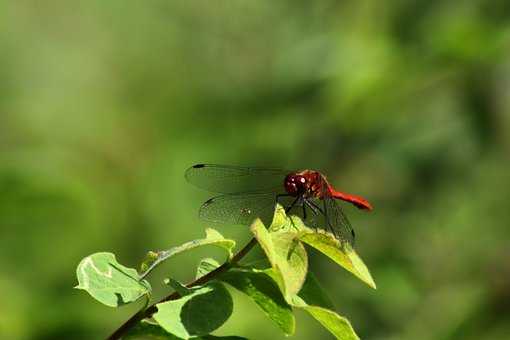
[(246, 193)]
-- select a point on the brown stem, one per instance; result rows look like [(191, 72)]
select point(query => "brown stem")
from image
[(146, 313)]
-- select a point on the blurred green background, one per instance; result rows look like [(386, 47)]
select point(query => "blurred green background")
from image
[(104, 104)]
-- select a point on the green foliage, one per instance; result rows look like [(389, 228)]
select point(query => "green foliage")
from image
[(314, 300), (196, 310), (212, 237), (286, 254), (339, 326), (264, 291), (146, 330), (342, 254), (313, 293), (199, 311), (110, 282), (206, 266)]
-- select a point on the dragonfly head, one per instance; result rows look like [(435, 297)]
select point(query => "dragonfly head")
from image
[(295, 184)]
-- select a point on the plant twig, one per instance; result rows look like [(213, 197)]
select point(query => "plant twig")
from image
[(149, 311)]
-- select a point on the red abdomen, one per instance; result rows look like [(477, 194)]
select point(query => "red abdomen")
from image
[(359, 202)]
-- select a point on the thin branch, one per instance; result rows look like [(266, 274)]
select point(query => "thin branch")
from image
[(149, 311)]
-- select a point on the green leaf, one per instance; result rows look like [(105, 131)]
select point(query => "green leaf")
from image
[(260, 287), (150, 258), (213, 337), (313, 299), (341, 253), (313, 293), (178, 287), (145, 330), (282, 222), (212, 237), (200, 312), (110, 282), (206, 266), (339, 326), (264, 291), (286, 254)]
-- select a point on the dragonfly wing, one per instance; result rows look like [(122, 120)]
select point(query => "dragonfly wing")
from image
[(228, 179), (239, 208), (337, 222)]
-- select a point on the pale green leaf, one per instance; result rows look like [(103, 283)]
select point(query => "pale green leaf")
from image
[(263, 290), (108, 281), (206, 266), (200, 312), (337, 325), (286, 254), (341, 253), (283, 222), (150, 258), (178, 287), (212, 237), (315, 301), (214, 337)]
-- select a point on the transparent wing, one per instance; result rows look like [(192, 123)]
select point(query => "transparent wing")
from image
[(312, 215), (239, 208), (336, 221), (228, 179)]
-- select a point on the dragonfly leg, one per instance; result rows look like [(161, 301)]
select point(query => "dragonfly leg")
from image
[(277, 200), (289, 208), (303, 204), (316, 210)]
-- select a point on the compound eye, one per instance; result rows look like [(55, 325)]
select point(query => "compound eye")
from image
[(300, 183), (289, 184)]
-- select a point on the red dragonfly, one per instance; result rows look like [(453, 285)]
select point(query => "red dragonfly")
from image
[(250, 192)]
